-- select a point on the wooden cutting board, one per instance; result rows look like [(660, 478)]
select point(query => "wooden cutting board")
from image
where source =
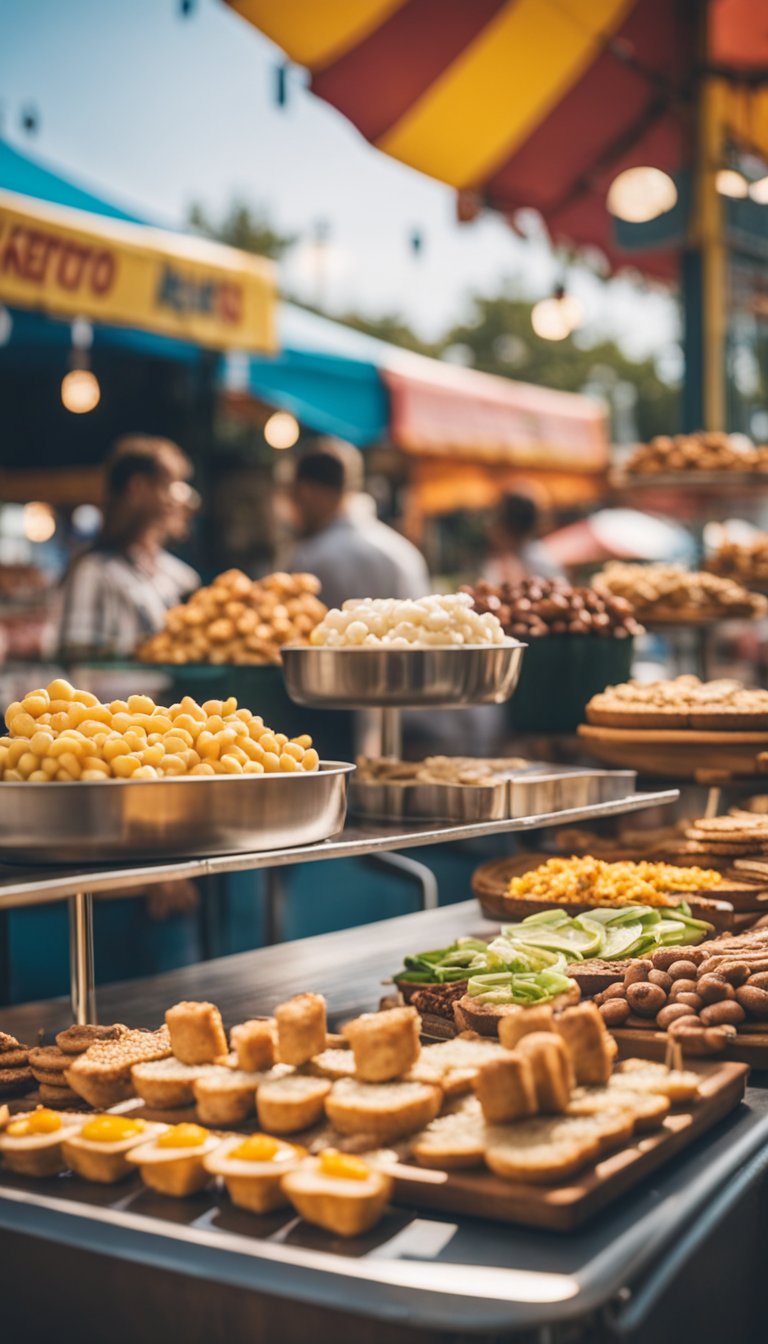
[(750, 1046), (674, 753), (563, 1207)]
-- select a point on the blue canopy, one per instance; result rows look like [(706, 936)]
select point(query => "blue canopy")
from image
[(324, 373)]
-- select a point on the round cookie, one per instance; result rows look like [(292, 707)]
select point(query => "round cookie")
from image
[(15, 1082), (76, 1039), (51, 1077), (8, 1042), (59, 1096), (49, 1058), (14, 1059)]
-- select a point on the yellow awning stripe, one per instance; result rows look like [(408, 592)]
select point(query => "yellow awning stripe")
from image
[(316, 32), (486, 103)]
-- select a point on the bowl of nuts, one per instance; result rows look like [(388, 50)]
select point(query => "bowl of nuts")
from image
[(576, 640)]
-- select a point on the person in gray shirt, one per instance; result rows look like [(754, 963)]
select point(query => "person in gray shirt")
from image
[(342, 541)]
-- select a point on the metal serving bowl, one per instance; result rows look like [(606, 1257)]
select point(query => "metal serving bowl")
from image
[(187, 816), (414, 678)]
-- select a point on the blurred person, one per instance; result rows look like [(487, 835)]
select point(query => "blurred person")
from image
[(342, 541), (118, 591), (513, 536)]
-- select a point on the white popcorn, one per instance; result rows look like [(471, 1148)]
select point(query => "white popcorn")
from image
[(435, 621)]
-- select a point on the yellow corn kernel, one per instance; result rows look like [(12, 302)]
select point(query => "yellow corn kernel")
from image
[(12, 776), (288, 764), (125, 766), (61, 774), (293, 749), (311, 759), (91, 727), (16, 750), (177, 741), (27, 763), (269, 743), (204, 768), (49, 765), (253, 768), (37, 777), (252, 749), (140, 704), (154, 738), (231, 765), (35, 704), (208, 746), (218, 768), (229, 706), (59, 722), (244, 714), (210, 707), (191, 707), (118, 707), (93, 774), (86, 698), (153, 755), (120, 723), (71, 763), (94, 764), (22, 724), (40, 742), (187, 724), (77, 714), (271, 762), (303, 740), (173, 765), (190, 757), (215, 723), (143, 771), (136, 739), (281, 739), (61, 689), (114, 747)]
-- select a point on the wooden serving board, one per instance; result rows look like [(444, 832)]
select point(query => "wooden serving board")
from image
[(750, 1046), (675, 753), (562, 1207)]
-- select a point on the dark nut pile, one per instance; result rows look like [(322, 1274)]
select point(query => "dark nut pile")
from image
[(538, 607), (700, 995)]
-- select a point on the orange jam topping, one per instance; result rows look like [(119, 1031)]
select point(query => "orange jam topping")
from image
[(183, 1136), (344, 1166), (111, 1129), (257, 1148), (41, 1121)]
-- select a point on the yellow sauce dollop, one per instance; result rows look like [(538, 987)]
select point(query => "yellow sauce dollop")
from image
[(41, 1121), (111, 1129), (256, 1148), (343, 1166), (183, 1136)]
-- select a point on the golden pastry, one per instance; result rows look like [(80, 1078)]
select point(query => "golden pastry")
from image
[(339, 1192), (174, 1162), (99, 1151), (253, 1168), (31, 1144)]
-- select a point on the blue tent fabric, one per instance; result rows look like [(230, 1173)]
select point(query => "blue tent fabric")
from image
[(324, 373)]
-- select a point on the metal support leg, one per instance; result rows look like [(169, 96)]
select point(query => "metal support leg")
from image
[(81, 970), (392, 734), (417, 872), (274, 890)]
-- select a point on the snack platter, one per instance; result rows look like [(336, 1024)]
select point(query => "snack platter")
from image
[(532, 790), (189, 816)]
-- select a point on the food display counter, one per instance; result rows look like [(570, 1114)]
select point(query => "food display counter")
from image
[(115, 1260)]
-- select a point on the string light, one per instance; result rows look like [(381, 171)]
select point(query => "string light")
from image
[(39, 522), (555, 318), (639, 195), (729, 182), (759, 190), (281, 430), (80, 391)]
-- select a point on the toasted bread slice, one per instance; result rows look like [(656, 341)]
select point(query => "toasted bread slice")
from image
[(227, 1096), (451, 1142), (165, 1084), (102, 1074), (679, 1085), (589, 1043), (514, 1026), (649, 1109), (383, 1110), (197, 1032), (301, 1028), (291, 1102), (506, 1088), (552, 1070), (543, 1150), (333, 1063), (254, 1044), (385, 1045)]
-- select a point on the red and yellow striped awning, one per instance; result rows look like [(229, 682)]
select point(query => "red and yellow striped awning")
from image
[(527, 103)]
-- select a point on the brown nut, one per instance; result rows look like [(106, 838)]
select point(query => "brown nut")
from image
[(691, 1022), (664, 957), (759, 980), (683, 970), (660, 978), (717, 1038), (682, 987), (755, 1001), (614, 1012), (645, 999), (713, 988), (673, 1012), (712, 964), (617, 991), (735, 972), (693, 1002), (718, 1014), (637, 972), (695, 954)]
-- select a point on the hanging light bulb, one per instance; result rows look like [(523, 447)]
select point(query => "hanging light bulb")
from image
[(729, 182), (39, 521), (759, 190), (80, 391), (640, 194), (281, 430), (555, 318)]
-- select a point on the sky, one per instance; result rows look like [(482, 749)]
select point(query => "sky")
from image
[(154, 111)]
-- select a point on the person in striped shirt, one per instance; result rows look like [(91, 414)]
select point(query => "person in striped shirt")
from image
[(118, 591)]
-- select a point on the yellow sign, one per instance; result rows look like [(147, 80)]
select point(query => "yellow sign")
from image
[(71, 263)]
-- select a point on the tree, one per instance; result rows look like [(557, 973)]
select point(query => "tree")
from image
[(242, 225), (499, 339), (391, 327)]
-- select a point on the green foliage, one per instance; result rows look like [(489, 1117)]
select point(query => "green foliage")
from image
[(242, 226)]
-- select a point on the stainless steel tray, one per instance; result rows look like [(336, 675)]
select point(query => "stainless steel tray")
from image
[(362, 678), (195, 816), (535, 791)]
